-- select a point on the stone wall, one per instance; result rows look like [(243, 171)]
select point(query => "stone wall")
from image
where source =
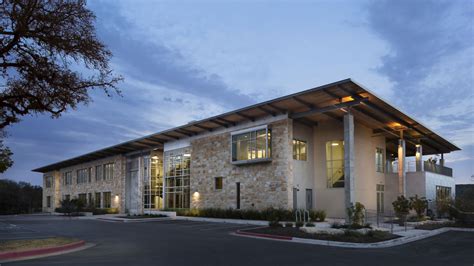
[(52, 191), (262, 185), (116, 185)]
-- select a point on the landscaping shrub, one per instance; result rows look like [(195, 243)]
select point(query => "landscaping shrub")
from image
[(443, 206), (288, 224), (309, 225), (299, 224), (419, 205), (356, 214), (318, 215), (269, 214), (401, 207)]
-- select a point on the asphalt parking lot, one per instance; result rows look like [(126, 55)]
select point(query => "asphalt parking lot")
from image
[(178, 242)]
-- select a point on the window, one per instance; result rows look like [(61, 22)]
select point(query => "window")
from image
[(335, 164), (379, 160), (99, 173), (89, 199), (67, 197), (48, 181), (218, 183), (443, 193), (48, 201), (153, 183), (97, 200), (108, 171), (177, 191), (83, 198), (251, 145), (89, 175), (107, 199), (299, 150), (380, 198), (82, 176), (67, 178)]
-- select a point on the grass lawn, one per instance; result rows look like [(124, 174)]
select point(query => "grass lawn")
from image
[(143, 216), (349, 236), (25, 244), (433, 226)]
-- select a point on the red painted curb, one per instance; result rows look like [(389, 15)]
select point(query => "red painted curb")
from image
[(263, 235), (39, 251)]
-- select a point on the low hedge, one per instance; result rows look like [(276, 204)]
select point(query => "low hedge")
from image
[(269, 214), (93, 210)]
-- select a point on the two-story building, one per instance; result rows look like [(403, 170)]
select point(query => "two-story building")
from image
[(323, 148)]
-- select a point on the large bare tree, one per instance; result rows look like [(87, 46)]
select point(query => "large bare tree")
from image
[(50, 58)]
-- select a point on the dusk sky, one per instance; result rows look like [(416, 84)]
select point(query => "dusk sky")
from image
[(184, 61)]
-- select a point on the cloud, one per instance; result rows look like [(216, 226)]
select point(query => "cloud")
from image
[(431, 64)]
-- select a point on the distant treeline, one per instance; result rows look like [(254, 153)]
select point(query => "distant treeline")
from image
[(19, 197)]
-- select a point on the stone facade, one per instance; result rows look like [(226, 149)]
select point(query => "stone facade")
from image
[(262, 185), (116, 186), (52, 191)]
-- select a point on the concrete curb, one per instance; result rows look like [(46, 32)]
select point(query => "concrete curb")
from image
[(383, 244), (125, 220), (219, 220), (39, 252)]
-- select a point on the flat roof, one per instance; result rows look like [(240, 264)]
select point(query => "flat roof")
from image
[(312, 106)]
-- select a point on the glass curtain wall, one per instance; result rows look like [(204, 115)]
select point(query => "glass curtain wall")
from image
[(178, 166), (153, 181)]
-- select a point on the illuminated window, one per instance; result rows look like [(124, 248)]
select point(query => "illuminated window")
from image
[(299, 150), (251, 145), (443, 193), (335, 164), (108, 171), (218, 183), (178, 168), (379, 160), (153, 181)]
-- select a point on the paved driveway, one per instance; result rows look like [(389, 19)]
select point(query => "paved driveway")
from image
[(171, 242)]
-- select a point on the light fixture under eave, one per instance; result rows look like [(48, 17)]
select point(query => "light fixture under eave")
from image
[(335, 144), (154, 157), (347, 99), (187, 155)]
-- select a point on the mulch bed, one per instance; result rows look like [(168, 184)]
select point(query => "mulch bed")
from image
[(348, 237)]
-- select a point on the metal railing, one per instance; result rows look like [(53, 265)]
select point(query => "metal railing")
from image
[(428, 167), (438, 169)]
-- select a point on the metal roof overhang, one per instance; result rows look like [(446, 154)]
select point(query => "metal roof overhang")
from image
[(327, 102)]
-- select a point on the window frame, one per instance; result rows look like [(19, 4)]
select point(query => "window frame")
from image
[(297, 154), (99, 172), (48, 181), (108, 166), (82, 176), (67, 178), (379, 166), (48, 201), (268, 145), (332, 160), (107, 203)]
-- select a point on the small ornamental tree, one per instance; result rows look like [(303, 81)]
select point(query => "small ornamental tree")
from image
[(419, 205), (401, 207), (356, 214)]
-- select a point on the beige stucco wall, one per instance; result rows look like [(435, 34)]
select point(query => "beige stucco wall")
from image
[(263, 185), (303, 170), (366, 178), (115, 186)]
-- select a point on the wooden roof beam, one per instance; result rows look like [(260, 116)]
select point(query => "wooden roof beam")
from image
[(328, 108), (279, 109), (169, 136), (267, 111), (251, 118), (203, 127), (303, 102), (217, 122)]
